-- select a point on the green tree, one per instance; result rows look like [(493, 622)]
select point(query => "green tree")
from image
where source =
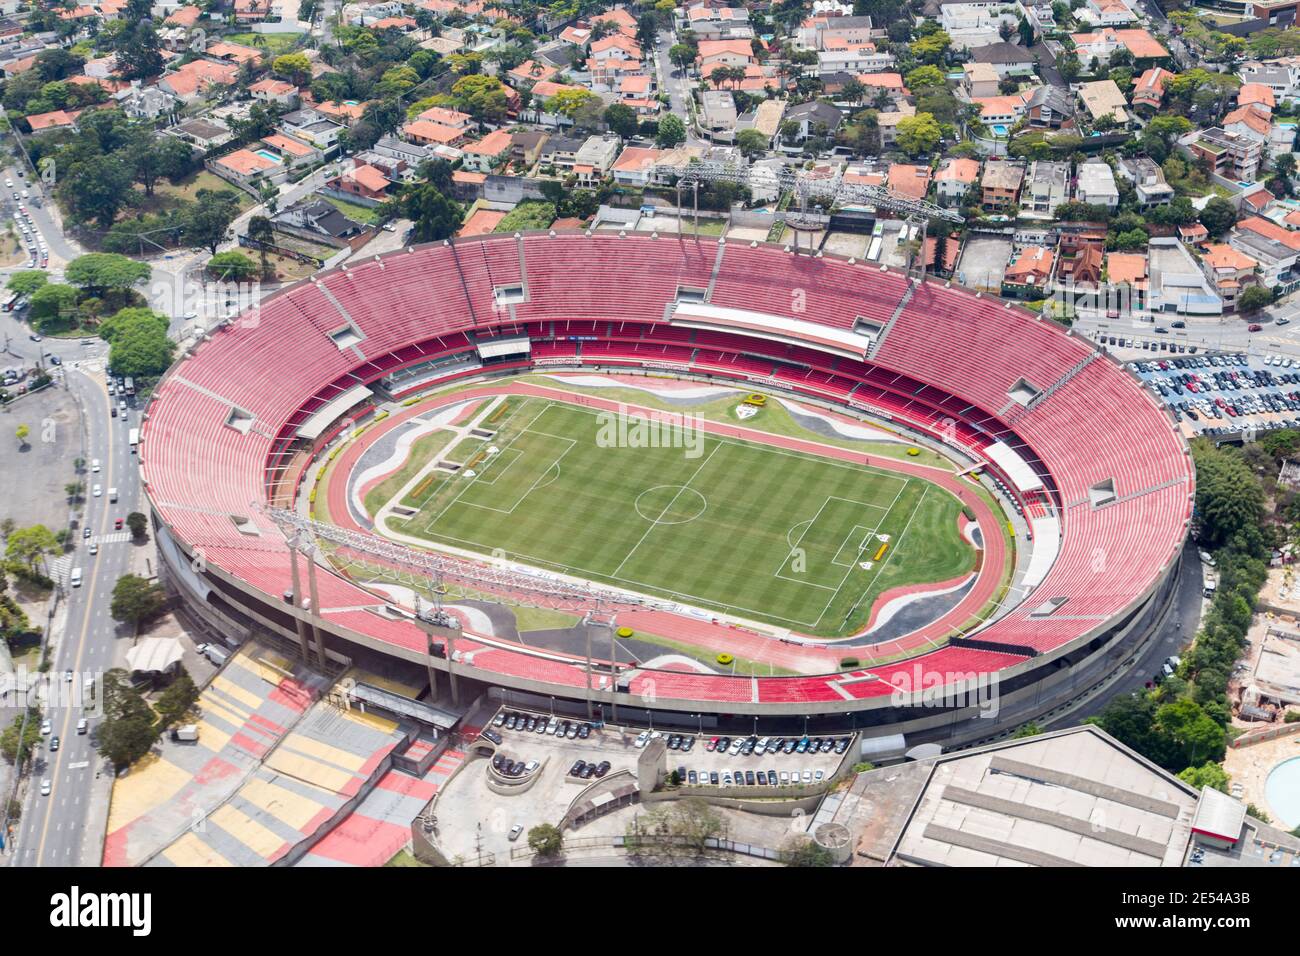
[(262, 232), (1218, 215), (1254, 298), (138, 524), (918, 134), (27, 546), (140, 346), (672, 132), (802, 851), (207, 222), (293, 67), (434, 216), (136, 600), (18, 740), (932, 48), (1229, 496), (101, 273), (752, 143), (622, 120), (1207, 775), (53, 307), (176, 701), (27, 281), (1187, 725), (546, 840), (127, 731), (22, 431), (232, 267)]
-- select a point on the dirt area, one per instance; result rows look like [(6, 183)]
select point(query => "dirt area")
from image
[(11, 250), (35, 474), (847, 244), (983, 263)]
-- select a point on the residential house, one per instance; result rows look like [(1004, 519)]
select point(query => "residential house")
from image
[(719, 23), (1000, 185), (1049, 107), (859, 59), (1149, 89), (1001, 110), (526, 146), (954, 180), (814, 119), (1106, 13), (1256, 122), (1096, 184), (595, 158), (1275, 250), (1007, 59), (426, 133), (244, 165), (346, 113), (57, 119), (197, 78), (543, 93), (714, 53), (1079, 259), (144, 102), (980, 80), (273, 91), (1103, 43), (910, 181), (1046, 186), (1102, 98), (975, 23), (559, 151), (635, 166), (1230, 155), (1256, 94), (529, 72), (293, 152), (1231, 271), (1176, 281), (1282, 77), (719, 113), (364, 184), (1148, 180), (1126, 272), (488, 153), (888, 121), (203, 133), (1028, 274), (311, 126)]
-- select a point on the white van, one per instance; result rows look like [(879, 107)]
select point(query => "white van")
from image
[(76, 577), (112, 494)]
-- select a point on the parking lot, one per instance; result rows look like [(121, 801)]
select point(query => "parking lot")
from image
[(983, 263), (474, 818), (1226, 395)]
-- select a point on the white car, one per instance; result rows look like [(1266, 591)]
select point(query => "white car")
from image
[(94, 465), (94, 548), (807, 776), (45, 787), (515, 830), (97, 491), (642, 739), (736, 745), (46, 727)]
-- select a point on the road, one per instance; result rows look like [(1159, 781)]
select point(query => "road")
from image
[(676, 84), (52, 827), (1229, 333)]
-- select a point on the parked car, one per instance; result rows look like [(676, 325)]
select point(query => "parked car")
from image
[(642, 739), (602, 768), (515, 830)]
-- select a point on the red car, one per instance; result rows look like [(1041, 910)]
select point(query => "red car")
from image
[(117, 525), (1254, 327)]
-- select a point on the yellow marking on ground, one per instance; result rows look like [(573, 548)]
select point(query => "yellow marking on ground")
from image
[(189, 850), (308, 769), (231, 689), (212, 736), (149, 784), (284, 805), (322, 751), (372, 720), (271, 668), (387, 683), (258, 838), (219, 709)]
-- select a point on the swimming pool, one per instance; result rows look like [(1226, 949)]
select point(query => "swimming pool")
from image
[(1282, 791), (999, 129), (267, 154)]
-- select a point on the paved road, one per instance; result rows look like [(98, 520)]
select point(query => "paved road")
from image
[(1228, 333), (676, 84), (52, 827)]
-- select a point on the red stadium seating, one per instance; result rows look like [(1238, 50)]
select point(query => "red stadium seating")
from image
[(945, 365)]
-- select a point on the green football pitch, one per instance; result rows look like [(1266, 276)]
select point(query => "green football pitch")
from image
[(773, 535)]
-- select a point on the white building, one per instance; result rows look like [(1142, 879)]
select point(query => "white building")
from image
[(1097, 185)]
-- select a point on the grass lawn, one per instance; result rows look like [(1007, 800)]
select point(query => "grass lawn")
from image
[(366, 215), (790, 539), (404, 858), (166, 195), (530, 214), (422, 450), (273, 43), (12, 252)]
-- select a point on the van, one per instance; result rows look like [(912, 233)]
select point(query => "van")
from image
[(112, 494), (217, 655), (76, 577)]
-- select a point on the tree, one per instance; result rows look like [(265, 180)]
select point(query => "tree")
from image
[(152, 158), (621, 119), (918, 134), (136, 600), (26, 281), (22, 431), (435, 217), (101, 273), (138, 54), (138, 524), (232, 267), (1254, 298), (800, 851), (96, 188), (932, 48), (752, 143), (53, 307), (546, 840), (176, 701), (1229, 497), (1218, 215), (140, 346), (672, 132), (27, 546), (127, 731), (208, 220), (568, 103), (682, 54), (262, 232), (293, 67), (482, 97), (20, 739), (925, 78)]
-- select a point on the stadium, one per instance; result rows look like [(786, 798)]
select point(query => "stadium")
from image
[(716, 480)]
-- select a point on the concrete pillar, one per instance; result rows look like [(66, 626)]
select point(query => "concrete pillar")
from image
[(315, 611), (298, 622)]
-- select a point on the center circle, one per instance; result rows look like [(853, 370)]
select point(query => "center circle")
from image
[(670, 504)]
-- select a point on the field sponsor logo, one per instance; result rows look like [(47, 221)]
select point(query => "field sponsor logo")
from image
[(650, 429), (947, 689), (74, 909)]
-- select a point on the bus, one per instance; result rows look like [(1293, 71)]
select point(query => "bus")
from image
[(135, 439), (130, 385)]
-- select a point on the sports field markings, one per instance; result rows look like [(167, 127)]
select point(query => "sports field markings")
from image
[(658, 590), (864, 543), (495, 470), (654, 524), (537, 483)]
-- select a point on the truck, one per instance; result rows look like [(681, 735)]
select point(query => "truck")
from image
[(134, 438), (218, 655), (130, 385), (188, 733), (112, 494)]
